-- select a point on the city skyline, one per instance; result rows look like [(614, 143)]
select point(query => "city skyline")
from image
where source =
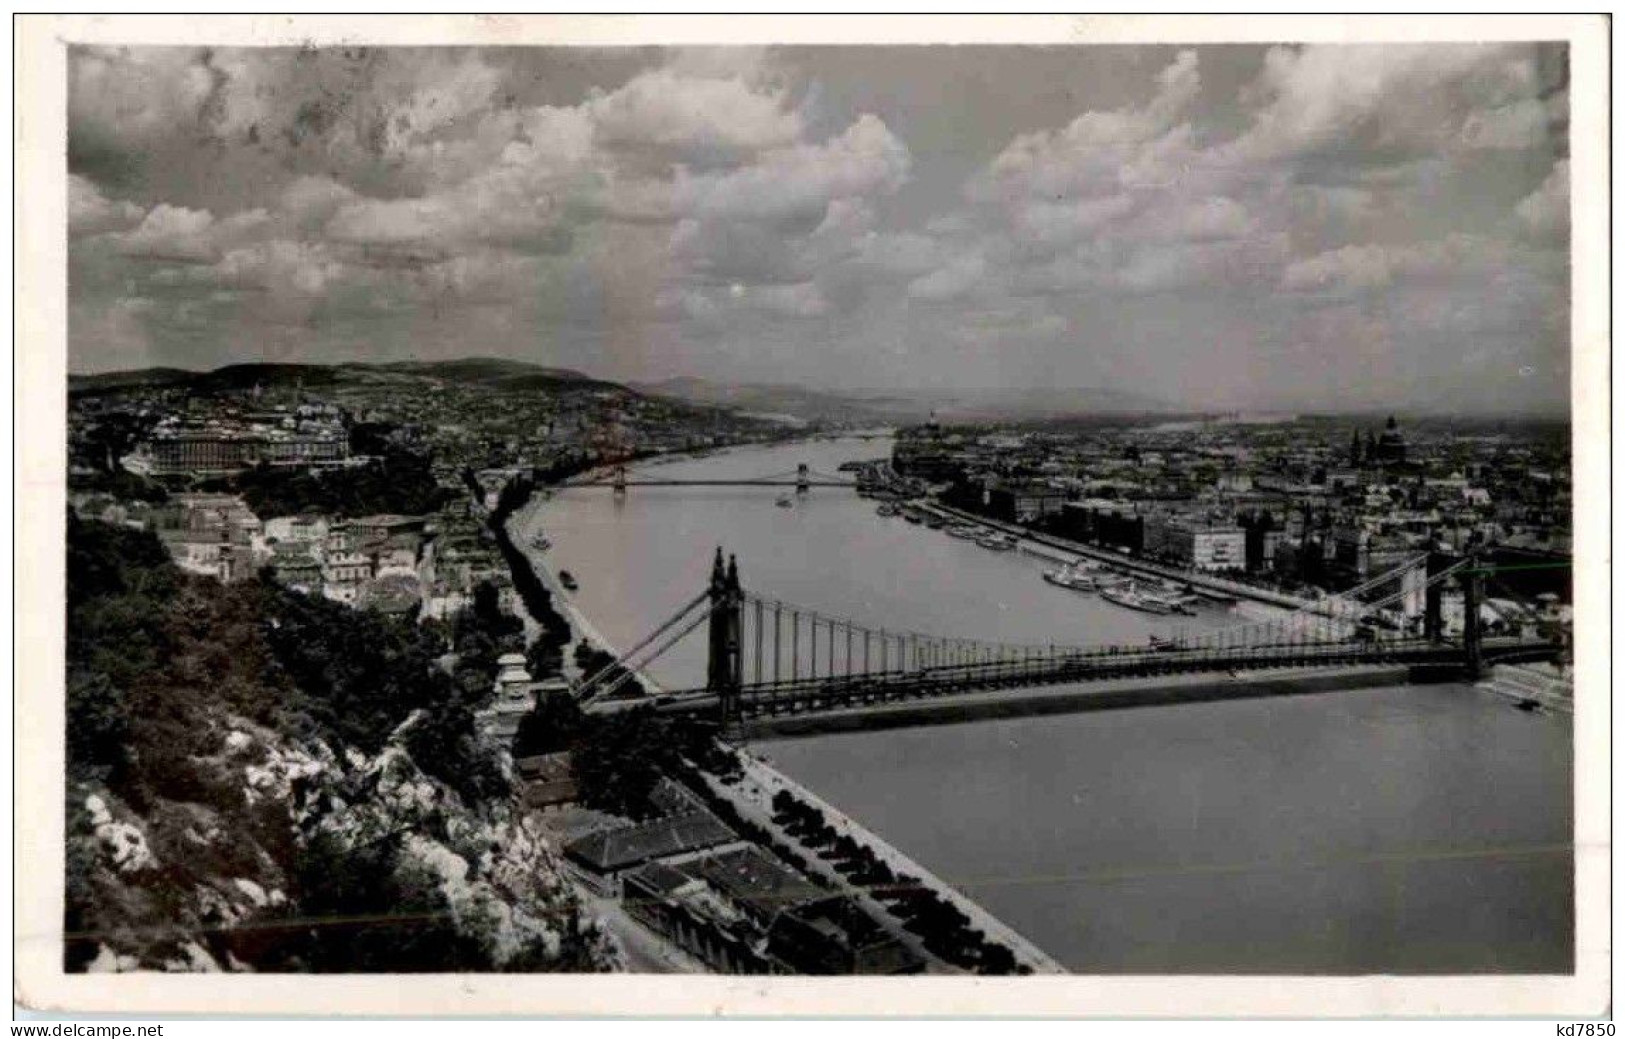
[(1350, 226)]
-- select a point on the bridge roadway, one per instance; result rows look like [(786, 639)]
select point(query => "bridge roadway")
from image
[(791, 482), (949, 683)]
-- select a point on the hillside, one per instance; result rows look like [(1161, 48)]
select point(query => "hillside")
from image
[(262, 781), (495, 374), (909, 405)]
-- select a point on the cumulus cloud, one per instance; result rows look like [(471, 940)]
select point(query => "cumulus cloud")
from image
[(1391, 96), (725, 203), (92, 212), (957, 279), (1544, 213), (170, 233), (700, 120)]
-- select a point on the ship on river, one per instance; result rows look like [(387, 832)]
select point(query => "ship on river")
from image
[(1070, 578), (1133, 599)]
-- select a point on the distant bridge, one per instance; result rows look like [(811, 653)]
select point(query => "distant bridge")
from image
[(802, 478), (769, 657)]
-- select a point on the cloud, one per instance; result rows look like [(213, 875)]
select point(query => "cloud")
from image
[(1360, 268), (954, 281), (1352, 267), (1389, 96), (1099, 150), (91, 212), (170, 233), (703, 121), (1522, 124), (703, 211), (801, 181), (1544, 213)]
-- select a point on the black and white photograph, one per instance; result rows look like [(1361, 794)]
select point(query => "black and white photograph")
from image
[(1087, 507)]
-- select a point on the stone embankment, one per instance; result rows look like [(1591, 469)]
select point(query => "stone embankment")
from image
[(753, 799), (1117, 559)]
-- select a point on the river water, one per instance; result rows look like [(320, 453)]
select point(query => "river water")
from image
[(1414, 829)]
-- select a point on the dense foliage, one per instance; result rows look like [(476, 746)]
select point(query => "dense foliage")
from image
[(618, 758), (546, 653), (399, 482), (161, 665)]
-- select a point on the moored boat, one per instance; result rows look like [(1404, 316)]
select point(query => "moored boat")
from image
[(1130, 598), (1067, 577)]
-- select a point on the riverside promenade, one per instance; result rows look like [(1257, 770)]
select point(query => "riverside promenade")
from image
[(754, 798), (1217, 584)]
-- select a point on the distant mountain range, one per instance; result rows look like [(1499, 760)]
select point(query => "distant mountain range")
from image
[(909, 405), (812, 405), (499, 375)]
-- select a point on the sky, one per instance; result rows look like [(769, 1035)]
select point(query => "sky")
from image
[(1261, 227)]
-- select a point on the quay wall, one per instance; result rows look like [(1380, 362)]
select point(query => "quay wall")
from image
[(1217, 584), (1093, 696), (754, 801)]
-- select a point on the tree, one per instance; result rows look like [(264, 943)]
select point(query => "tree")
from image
[(552, 725), (618, 759)]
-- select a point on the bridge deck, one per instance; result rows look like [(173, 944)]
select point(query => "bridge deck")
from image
[(836, 692), (711, 483)]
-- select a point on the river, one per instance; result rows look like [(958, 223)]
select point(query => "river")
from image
[(1406, 830)]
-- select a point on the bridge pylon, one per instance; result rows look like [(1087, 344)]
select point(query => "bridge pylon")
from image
[(1472, 628), (1433, 597), (725, 671)]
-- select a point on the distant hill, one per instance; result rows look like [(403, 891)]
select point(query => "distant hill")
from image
[(807, 404), (126, 379), (499, 375), (771, 399), (910, 405)]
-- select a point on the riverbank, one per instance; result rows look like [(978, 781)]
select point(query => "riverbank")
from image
[(1264, 596), (527, 521), (753, 799)]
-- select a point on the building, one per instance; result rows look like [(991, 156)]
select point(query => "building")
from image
[(742, 911), (514, 695), (835, 936), (220, 452), (601, 859), (1187, 544), (698, 919), (1110, 524), (1025, 501), (1390, 449), (922, 452), (546, 780)]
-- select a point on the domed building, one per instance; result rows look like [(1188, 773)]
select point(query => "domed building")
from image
[(1391, 445)]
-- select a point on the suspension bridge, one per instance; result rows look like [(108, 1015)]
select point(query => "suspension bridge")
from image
[(802, 478), (768, 657)]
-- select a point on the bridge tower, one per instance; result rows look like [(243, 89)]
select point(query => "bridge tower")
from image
[(803, 479), (1472, 630), (725, 671), (620, 481), (1433, 597)]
